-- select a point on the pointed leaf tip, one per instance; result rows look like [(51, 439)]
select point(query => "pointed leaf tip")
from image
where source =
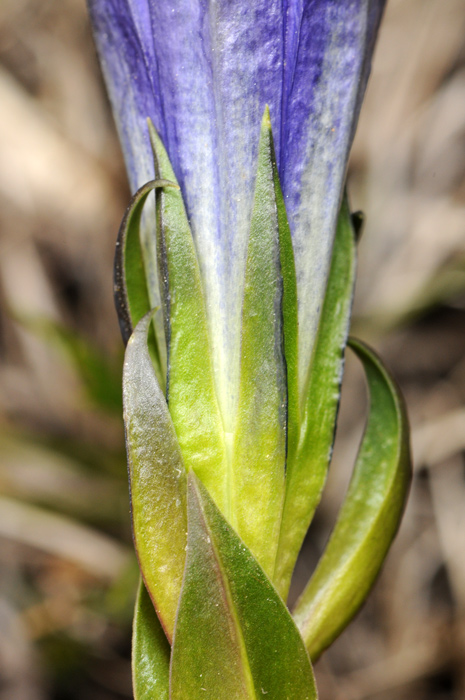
[(191, 389), (130, 285), (266, 119), (234, 637), (310, 451), (266, 415), (132, 293)]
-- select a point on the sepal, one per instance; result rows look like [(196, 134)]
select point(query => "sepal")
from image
[(191, 390), (234, 636), (308, 459), (130, 284), (268, 337), (369, 517), (157, 479), (150, 651)]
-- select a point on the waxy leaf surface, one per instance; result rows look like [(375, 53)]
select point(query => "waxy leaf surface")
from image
[(369, 517), (234, 637), (150, 652), (191, 390), (157, 479), (308, 460), (259, 454)]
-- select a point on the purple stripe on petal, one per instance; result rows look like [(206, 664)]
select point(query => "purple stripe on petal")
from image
[(330, 46), (203, 70), (217, 65), (124, 62)]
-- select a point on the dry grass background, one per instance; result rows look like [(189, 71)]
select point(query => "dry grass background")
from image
[(66, 568)]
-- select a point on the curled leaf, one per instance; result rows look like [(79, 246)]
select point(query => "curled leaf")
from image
[(369, 517), (131, 285), (308, 459)]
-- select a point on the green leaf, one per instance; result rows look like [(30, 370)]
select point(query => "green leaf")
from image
[(234, 637), (369, 517), (191, 391), (157, 479), (259, 449), (150, 652), (131, 289), (308, 462), (290, 316)]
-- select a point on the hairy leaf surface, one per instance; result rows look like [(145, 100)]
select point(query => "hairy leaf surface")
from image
[(131, 284), (308, 461), (150, 652), (191, 389), (157, 479), (234, 637), (259, 454)]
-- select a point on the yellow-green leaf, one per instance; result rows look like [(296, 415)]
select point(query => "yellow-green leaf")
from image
[(234, 637), (369, 517), (259, 449), (157, 479), (131, 284), (150, 652), (191, 390), (308, 461)]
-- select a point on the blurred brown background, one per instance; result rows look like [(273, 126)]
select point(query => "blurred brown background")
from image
[(67, 573)]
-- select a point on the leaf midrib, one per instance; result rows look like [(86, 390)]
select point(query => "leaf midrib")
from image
[(247, 673)]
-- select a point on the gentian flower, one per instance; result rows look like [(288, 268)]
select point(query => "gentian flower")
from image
[(203, 73), (241, 116)]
